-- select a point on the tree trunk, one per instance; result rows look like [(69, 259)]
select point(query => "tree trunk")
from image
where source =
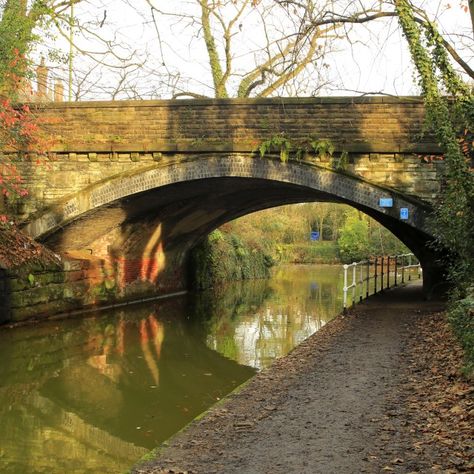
[(214, 60), (321, 224), (471, 8)]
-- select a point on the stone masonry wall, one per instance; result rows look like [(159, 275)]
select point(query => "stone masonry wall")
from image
[(364, 124), (97, 140), (34, 291)]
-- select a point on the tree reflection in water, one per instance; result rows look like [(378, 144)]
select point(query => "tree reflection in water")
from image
[(277, 315), (94, 394)]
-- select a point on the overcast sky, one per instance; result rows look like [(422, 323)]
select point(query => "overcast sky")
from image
[(376, 61)]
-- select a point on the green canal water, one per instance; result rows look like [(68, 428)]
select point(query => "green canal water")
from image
[(92, 395)]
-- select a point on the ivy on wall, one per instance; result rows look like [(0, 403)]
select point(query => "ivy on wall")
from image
[(449, 113), (452, 119)]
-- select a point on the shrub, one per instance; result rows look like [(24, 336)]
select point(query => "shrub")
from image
[(461, 317)]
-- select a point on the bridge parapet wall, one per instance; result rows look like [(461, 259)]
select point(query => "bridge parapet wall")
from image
[(353, 124)]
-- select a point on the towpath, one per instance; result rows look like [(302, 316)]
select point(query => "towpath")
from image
[(321, 409)]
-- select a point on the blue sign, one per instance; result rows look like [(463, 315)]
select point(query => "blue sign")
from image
[(314, 235), (404, 213), (386, 202)]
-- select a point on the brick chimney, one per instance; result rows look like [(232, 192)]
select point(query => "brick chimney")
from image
[(42, 81), (58, 91)]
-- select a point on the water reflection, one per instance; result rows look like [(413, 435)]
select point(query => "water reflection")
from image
[(92, 395), (256, 322)]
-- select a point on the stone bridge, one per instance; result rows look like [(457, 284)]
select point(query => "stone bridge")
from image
[(135, 185)]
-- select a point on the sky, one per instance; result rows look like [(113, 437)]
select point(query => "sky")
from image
[(375, 61)]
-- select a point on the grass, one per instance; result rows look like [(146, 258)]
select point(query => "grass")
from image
[(311, 252)]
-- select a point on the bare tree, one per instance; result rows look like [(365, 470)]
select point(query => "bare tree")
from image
[(238, 48), (284, 42), (275, 55), (364, 13)]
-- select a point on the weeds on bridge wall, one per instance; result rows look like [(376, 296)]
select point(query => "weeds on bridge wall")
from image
[(321, 148), (450, 119)]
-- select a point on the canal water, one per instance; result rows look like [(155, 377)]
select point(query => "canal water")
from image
[(93, 395)]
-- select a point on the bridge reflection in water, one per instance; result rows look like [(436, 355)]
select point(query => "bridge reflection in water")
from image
[(93, 395)]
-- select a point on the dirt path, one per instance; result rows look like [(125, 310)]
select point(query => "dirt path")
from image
[(321, 409)]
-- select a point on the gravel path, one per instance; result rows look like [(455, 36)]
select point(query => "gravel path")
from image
[(318, 410)]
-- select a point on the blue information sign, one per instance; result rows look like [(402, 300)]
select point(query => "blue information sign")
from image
[(314, 235), (386, 202), (404, 213)]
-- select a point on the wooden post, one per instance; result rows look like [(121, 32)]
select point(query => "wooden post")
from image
[(381, 275), (388, 272), (376, 274), (403, 269), (368, 279)]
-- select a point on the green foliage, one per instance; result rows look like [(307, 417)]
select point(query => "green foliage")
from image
[(360, 237), (383, 242), (16, 37), (18, 125), (283, 233), (461, 317), (353, 243), (278, 143), (453, 223), (310, 252), (224, 256), (341, 162), (323, 148), (215, 236)]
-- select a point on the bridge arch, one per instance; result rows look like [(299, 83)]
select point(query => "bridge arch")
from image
[(168, 207)]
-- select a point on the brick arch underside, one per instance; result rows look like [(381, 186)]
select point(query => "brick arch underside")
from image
[(160, 213)]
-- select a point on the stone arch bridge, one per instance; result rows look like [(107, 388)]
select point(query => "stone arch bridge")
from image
[(135, 184)]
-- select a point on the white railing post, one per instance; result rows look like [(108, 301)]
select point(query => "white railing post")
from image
[(344, 301), (384, 271), (354, 283)]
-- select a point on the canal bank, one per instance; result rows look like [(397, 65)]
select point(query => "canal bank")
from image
[(36, 283), (341, 402)]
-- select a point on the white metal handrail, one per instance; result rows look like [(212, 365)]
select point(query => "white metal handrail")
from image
[(408, 257), (361, 274)]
